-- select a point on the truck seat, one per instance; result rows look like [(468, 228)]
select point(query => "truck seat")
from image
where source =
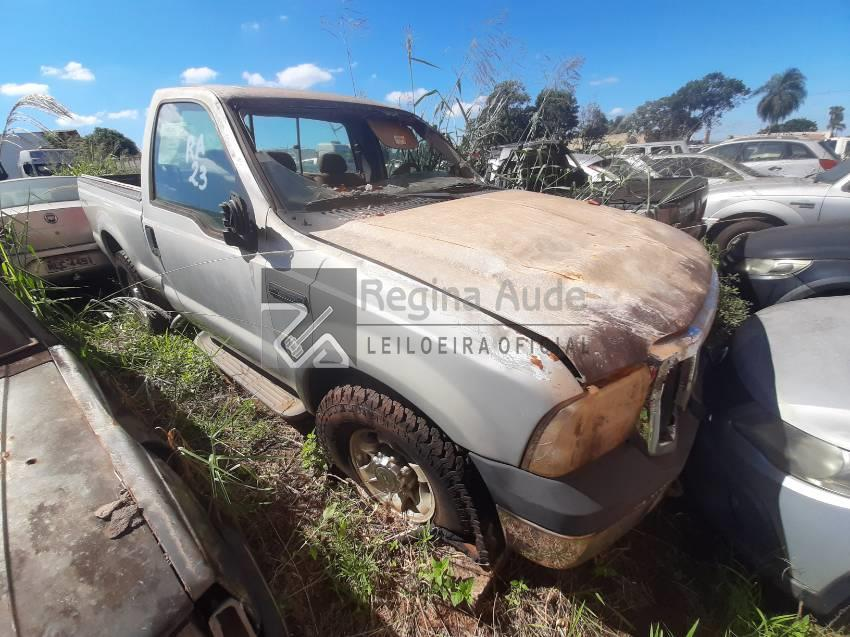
[(333, 172)]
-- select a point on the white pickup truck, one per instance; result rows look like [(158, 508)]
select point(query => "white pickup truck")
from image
[(476, 358)]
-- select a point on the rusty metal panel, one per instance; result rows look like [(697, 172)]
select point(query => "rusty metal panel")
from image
[(64, 575)]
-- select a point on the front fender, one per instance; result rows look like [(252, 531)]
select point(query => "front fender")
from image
[(748, 207)]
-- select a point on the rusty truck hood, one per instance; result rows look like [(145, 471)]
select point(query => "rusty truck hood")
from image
[(631, 281)]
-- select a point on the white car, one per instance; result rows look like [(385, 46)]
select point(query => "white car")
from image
[(715, 169), (656, 148), (736, 209), (777, 156)]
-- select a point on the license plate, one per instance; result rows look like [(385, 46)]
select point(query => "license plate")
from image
[(72, 262)]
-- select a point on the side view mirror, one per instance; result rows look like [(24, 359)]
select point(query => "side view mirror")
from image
[(239, 228)]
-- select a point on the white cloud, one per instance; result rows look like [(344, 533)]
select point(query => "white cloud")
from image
[(198, 75), (374, 76), (71, 71), (605, 80), (284, 18), (303, 76), (79, 120), (617, 110), (255, 79), (251, 26), (405, 98), (470, 108), (24, 89), (127, 113)]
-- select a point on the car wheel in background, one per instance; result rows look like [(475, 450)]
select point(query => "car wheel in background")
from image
[(406, 463), (138, 296), (736, 230)]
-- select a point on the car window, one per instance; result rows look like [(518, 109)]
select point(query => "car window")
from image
[(727, 151), (712, 169), (304, 140), (763, 151), (191, 166), (633, 150), (31, 192), (799, 151)]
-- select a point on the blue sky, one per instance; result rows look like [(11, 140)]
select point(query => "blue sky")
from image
[(103, 60)]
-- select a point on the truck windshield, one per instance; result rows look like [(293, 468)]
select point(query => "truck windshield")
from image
[(316, 156)]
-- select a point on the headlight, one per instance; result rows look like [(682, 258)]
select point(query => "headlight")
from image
[(801, 455), (580, 431), (775, 268)]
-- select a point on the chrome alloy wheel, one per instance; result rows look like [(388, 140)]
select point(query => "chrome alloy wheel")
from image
[(390, 478)]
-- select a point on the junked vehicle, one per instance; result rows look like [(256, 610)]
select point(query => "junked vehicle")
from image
[(714, 169), (45, 229), (777, 156), (771, 467), (541, 165), (656, 148), (376, 300), (619, 182), (736, 209), (100, 536), (840, 146), (43, 162), (792, 263)]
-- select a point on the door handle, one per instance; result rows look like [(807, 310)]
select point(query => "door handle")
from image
[(775, 168), (150, 235)]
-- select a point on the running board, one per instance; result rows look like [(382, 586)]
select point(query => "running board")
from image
[(260, 386)]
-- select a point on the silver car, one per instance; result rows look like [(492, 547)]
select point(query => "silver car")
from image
[(734, 210), (715, 169), (771, 466), (777, 156)]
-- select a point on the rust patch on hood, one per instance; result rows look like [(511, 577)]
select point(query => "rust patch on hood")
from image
[(640, 280)]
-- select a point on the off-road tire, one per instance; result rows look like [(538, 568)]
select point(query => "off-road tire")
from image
[(156, 320), (736, 228), (464, 511)]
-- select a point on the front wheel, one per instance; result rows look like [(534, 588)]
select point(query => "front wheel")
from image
[(737, 230), (406, 463)]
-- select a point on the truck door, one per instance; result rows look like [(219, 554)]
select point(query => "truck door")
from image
[(216, 286)]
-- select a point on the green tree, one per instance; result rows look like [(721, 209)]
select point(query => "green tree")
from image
[(593, 125), (836, 120), (110, 142), (796, 125), (555, 115), (506, 115), (783, 94), (660, 119), (708, 98)]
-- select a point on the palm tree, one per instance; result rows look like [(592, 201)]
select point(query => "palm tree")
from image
[(783, 94), (836, 120)]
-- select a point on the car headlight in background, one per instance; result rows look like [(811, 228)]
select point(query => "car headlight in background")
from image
[(774, 268), (803, 456), (581, 430)]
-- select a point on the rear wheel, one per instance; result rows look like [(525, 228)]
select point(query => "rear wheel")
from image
[(737, 230), (406, 463), (132, 285)]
